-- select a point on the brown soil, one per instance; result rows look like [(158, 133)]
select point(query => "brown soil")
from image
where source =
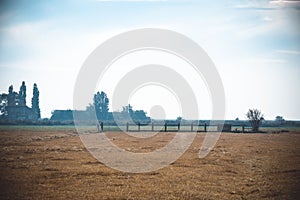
[(44, 164)]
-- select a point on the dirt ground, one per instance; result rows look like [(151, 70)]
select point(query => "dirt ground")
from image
[(53, 164)]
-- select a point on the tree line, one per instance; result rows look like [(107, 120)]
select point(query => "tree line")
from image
[(100, 107)]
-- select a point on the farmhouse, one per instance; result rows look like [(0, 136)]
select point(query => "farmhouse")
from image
[(20, 113), (13, 105)]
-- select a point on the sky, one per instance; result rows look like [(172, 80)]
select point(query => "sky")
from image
[(255, 46)]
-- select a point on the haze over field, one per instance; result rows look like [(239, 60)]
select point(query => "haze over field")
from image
[(255, 45)]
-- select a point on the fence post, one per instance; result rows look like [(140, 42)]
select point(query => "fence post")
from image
[(192, 127), (178, 126), (127, 126), (152, 127), (165, 127), (139, 127), (205, 130), (243, 128), (101, 125)]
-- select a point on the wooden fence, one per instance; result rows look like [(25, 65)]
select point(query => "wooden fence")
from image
[(169, 127)]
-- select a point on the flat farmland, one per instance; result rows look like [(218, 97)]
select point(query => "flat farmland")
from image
[(52, 163)]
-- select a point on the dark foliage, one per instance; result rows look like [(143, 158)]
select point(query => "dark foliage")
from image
[(35, 101)]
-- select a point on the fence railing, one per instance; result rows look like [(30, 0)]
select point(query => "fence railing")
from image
[(169, 127)]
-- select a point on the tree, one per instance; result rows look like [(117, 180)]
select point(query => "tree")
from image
[(255, 118), (179, 119), (279, 119), (127, 109), (3, 104), (35, 101), (101, 105), (12, 97), (22, 94)]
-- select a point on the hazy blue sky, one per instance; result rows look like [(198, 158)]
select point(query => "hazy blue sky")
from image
[(254, 44)]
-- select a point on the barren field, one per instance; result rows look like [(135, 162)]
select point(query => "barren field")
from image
[(44, 163)]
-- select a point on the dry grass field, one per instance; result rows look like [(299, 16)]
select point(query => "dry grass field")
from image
[(49, 163)]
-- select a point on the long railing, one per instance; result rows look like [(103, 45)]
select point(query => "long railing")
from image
[(169, 127)]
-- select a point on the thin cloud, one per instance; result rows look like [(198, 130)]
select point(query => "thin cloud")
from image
[(267, 19), (131, 0), (267, 60), (271, 5), (285, 2), (255, 6), (295, 4), (288, 52)]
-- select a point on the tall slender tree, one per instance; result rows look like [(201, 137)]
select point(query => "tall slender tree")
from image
[(12, 96), (22, 94), (101, 105), (35, 101)]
